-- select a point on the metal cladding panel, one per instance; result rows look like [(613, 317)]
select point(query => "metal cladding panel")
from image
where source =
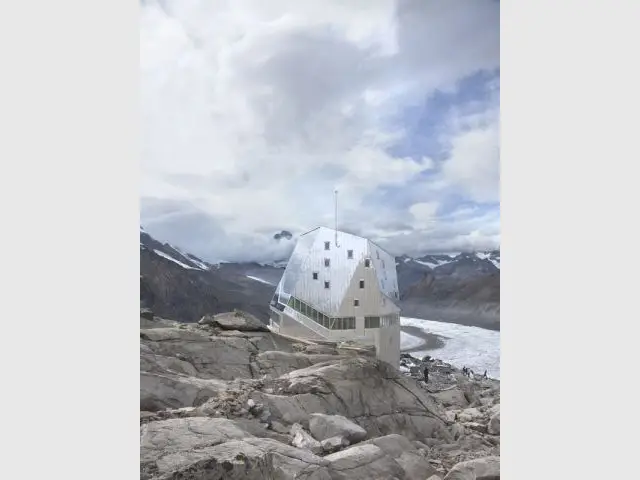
[(295, 264), (385, 267)]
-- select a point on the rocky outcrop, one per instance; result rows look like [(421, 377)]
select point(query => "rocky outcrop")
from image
[(220, 403), (237, 320)]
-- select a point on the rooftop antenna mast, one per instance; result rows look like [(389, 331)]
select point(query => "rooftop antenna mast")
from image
[(336, 217)]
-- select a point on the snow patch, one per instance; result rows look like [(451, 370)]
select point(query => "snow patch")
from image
[(260, 280), (169, 257), (435, 264), (473, 347), (487, 256), (198, 263)]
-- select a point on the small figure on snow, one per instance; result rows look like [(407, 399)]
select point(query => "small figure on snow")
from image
[(426, 375)]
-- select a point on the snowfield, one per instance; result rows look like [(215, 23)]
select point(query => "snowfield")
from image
[(408, 342), (473, 347)]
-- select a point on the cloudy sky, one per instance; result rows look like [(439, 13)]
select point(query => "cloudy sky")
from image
[(254, 112)]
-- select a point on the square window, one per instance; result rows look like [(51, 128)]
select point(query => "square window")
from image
[(315, 275), (367, 263), (326, 245), (361, 283), (349, 254), (326, 285), (356, 302), (327, 262)]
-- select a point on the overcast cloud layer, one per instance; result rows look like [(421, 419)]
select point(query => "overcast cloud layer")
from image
[(254, 111)]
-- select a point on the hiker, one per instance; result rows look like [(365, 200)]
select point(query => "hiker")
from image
[(426, 375), (485, 375), (465, 372)]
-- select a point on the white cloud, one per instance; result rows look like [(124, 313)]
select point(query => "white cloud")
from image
[(254, 111), (424, 213), (475, 163)]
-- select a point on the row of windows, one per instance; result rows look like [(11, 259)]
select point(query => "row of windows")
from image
[(327, 246), (345, 323), (332, 323), (367, 262), (327, 284)]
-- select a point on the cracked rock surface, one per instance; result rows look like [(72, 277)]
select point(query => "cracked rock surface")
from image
[(219, 403)]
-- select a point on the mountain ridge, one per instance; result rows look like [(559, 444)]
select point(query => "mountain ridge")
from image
[(461, 288)]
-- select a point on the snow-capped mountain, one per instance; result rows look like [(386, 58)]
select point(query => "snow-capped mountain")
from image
[(438, 260), (177, 284), (172, 253)]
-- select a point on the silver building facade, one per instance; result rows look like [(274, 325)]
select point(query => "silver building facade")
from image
[(341, 287)]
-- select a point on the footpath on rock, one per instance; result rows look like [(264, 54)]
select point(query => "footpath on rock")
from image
[(228, 399)]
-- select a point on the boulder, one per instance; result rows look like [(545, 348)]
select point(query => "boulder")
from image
[(238, 320), (470, 415), (363, 462), (146, 313), (302, 439), (324, 426), (453, 397), (333, 444), (487, 468), (404, 454), (391, 456)]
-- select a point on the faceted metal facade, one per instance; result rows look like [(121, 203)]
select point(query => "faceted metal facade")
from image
[(340, 275)]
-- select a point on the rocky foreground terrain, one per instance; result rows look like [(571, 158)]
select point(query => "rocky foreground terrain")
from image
[(228, 399)]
